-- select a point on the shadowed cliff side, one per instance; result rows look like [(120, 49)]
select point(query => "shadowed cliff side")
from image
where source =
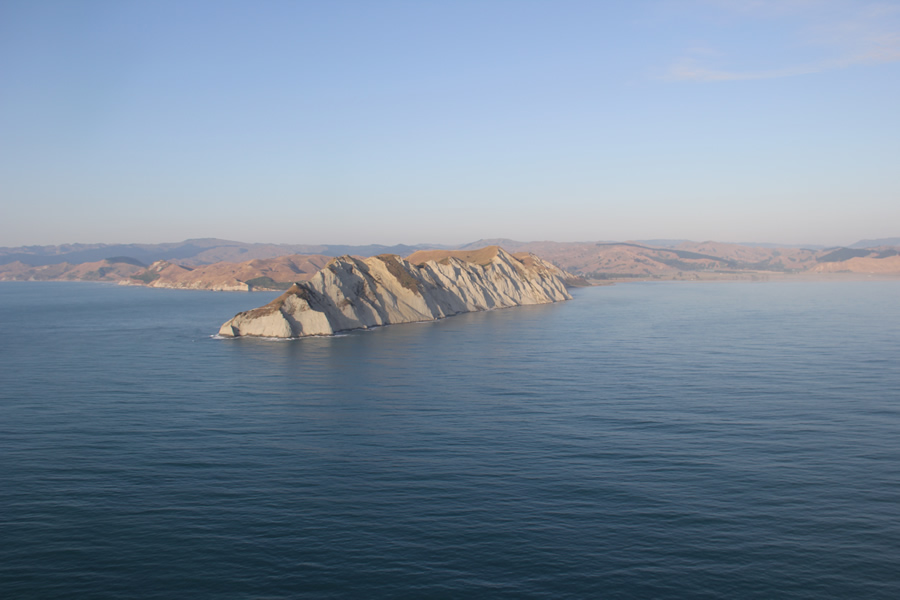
[(352, 293)]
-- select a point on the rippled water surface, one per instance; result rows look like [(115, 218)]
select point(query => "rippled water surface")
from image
[(727, 440)]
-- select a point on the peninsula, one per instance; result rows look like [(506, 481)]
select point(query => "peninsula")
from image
[(352, 293)]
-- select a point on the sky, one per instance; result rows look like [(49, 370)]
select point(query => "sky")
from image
[(426, 121)]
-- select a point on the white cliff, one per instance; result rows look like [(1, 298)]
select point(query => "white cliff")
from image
[(351, 293)]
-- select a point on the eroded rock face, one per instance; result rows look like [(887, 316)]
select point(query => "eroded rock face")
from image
[(351, 293)]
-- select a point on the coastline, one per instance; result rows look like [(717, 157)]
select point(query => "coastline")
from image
[(699, 277), (755, 277)]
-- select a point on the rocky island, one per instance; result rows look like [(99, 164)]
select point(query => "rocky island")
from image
[(352, 293)]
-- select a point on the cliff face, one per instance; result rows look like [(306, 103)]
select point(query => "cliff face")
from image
[(351, 293)]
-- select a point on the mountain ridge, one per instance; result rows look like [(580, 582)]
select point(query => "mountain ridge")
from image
[(198, 251), (271, 267)]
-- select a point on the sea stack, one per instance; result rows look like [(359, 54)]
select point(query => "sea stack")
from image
[(352, 293)]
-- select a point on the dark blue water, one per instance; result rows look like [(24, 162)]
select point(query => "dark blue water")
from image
[(725, 440)]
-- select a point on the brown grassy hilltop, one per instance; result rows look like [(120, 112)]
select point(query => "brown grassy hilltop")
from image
[(479, 256)]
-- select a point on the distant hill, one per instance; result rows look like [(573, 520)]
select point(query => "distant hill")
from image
[(111, 270), (692, 260), (841, 254), (615, 260), (876, 243), (189, 252), (885, 265), (505, 243), (277, 273), (661, 243), (228, 265), (770, 245)]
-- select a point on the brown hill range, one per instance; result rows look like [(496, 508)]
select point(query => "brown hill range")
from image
[(889, 265), (111, 270), (257, 274), (593, 261), (703, 260)]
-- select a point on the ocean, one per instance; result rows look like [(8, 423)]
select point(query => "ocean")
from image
[(645, 440)]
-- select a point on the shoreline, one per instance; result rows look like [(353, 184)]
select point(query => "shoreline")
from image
[(754, 277), (700, 277)]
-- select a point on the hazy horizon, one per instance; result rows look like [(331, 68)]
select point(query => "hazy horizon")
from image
[(406, 123), (150, 242), (487, 241)]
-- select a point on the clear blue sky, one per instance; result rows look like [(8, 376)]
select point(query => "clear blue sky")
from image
[(448, 121)]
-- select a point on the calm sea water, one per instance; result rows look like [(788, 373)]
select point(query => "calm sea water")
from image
[(726, 440)]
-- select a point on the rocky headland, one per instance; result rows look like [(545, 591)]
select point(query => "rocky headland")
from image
[(352, 293)]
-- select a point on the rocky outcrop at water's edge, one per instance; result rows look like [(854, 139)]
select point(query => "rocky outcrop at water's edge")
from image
[(351, 293)]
